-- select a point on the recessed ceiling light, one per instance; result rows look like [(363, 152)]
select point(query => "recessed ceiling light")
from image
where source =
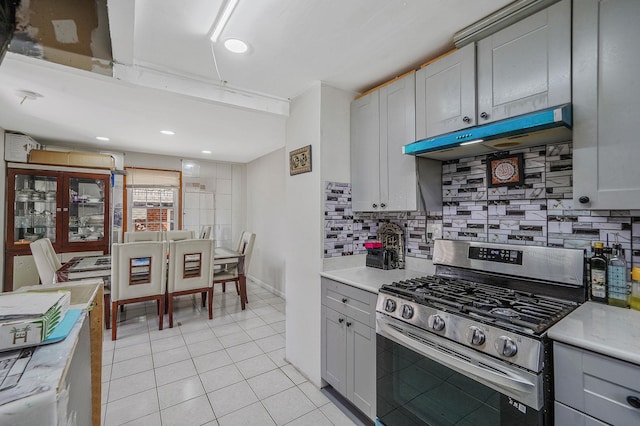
[(206, 151), (167, 132), (102, 138), (236, 46)]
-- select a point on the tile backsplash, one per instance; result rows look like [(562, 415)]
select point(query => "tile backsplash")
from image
[(539, 212)]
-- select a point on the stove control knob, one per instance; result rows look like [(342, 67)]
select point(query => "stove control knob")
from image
[(506, 346), (389, 305), (476, 336), (407, 312), (435, 322)]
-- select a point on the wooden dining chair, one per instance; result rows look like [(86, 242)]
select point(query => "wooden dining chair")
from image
[(139, 236), (190, 271), (47, 262), (229, 272), (138, 274), (178, 235)]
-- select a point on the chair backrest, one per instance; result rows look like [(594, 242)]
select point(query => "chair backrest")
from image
[(136, 237), (178, 235), (245, 245), (47, 262), (190, 264), (205, 232), (138, 269)]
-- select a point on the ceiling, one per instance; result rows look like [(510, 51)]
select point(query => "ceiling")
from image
[(152, 67)]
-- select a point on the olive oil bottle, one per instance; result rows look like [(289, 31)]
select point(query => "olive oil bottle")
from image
[(598, 274), (617, 278)]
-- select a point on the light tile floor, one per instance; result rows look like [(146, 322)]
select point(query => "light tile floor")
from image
[(226, 371)]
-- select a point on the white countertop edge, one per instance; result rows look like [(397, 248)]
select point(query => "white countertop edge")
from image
[(370, 279), (604, 329)]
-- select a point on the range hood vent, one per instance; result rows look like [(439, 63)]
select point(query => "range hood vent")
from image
[(537, 128)]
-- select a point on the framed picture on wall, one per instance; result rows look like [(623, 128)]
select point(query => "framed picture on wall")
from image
[(300, 160), (505, 170)]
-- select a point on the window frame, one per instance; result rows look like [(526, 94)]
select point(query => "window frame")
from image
[(125, 196)]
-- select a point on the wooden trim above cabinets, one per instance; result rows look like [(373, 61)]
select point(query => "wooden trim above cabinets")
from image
[(386, 83)]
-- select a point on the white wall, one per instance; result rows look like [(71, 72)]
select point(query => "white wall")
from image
[(336, 139), (266, 217), (319, 117), (226, 180), (303, 239)]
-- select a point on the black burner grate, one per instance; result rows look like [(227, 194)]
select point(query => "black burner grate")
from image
[(510, 308)]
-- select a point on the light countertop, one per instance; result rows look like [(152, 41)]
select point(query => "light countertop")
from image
[(370, 279), (39, 383), (600, 328)]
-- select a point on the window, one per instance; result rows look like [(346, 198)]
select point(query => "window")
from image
[(153, 200)]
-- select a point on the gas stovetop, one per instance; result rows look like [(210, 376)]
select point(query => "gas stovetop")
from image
[(511, 309), (498, 299)]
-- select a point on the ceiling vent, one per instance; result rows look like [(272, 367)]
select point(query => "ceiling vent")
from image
[(504, 17)]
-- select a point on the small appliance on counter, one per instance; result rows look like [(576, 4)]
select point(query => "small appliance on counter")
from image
[(379, 257)]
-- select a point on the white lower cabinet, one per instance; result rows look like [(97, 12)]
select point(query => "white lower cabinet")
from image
[(593, 389), (349, 346)]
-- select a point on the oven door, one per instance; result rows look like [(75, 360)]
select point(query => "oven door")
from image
[(424, 379)]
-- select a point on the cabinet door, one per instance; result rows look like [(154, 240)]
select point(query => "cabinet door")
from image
[(86, 211), (526, 66), (446, 94), (361, 370), (606, 174), (334, 347), (365, 152), (398, 182), (34, 205)]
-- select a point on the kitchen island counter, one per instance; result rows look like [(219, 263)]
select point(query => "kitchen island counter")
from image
[(604, 329)]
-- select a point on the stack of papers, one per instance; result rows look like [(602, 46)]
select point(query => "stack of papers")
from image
[(27, 319)]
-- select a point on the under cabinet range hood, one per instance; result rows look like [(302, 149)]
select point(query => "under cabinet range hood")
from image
[(536, 128)]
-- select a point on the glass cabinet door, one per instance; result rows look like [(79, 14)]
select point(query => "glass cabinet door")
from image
[(34, 207), (86, 209)]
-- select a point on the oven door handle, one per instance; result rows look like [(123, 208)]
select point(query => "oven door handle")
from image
[(485, 370)]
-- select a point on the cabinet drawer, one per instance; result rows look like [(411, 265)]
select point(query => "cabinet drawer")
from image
[(564, 415), (356, 303), (596, 385)]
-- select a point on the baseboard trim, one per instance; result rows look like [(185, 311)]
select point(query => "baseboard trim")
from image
[(266, 286)]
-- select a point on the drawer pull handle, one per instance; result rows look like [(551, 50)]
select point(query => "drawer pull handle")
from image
[(344, 300), (340, 320), (633, 401), (348, 324)]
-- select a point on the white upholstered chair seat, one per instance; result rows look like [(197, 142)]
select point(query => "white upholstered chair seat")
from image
[(47, 262), (229, 271), (138, 273), (190, 271), (136, 237), (178, 235)]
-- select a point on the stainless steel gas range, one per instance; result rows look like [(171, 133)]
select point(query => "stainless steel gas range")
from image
[(468, 345)]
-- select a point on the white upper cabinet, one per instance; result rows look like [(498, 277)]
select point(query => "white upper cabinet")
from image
[(398, 180), (382, 122), (446, 94), (365, 152), (606, 98), (526, 66)]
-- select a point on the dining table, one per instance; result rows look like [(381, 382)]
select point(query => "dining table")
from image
[(99, 266)]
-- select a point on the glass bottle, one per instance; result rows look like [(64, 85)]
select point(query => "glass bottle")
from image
[(598, 274), (635, 288), (617, 278)]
